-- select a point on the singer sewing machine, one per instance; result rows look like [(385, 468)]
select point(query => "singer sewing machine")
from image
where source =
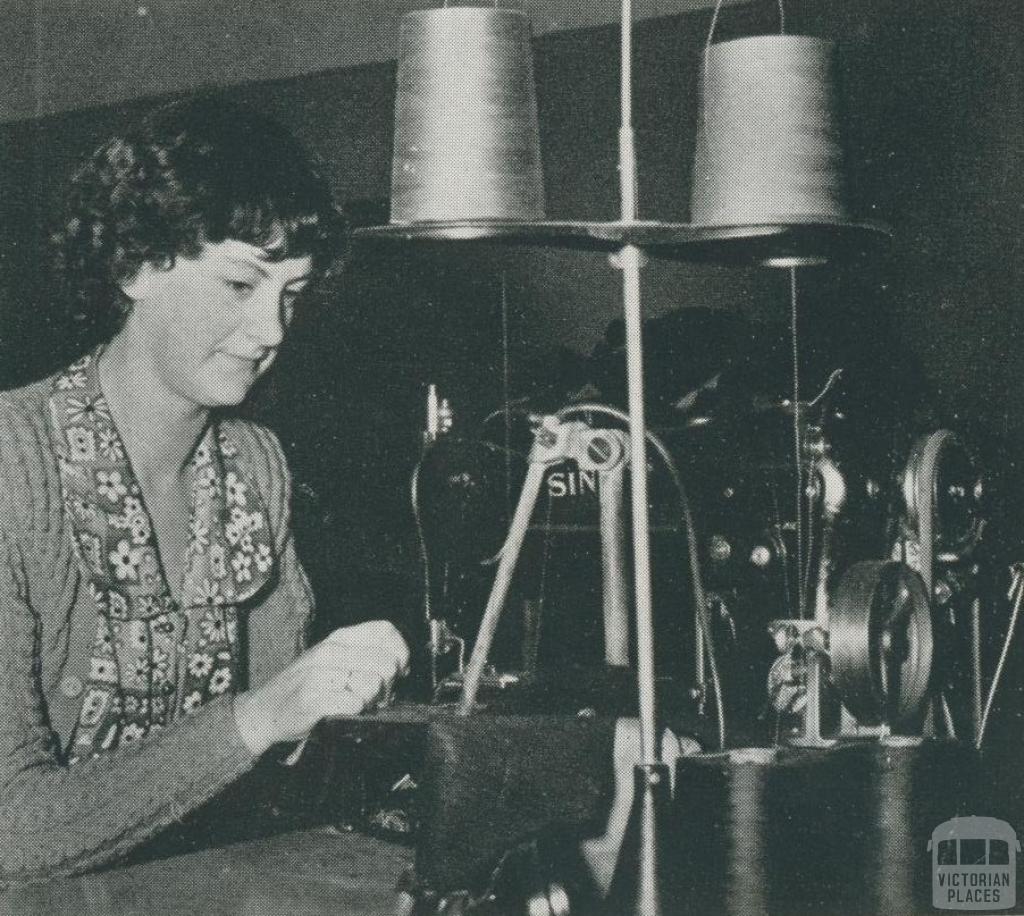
[(860, 616)]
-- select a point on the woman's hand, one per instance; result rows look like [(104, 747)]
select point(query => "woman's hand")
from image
[(352, 670)]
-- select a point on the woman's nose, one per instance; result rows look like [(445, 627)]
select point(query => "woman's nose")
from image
[(266, 318)]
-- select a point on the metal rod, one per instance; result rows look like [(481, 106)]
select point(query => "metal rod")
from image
[(812, 711), (630, 259), (700, 680), (977, 690), (626, 63), (651, 785), (630, 262), (506, 387), (627, 145), (614, 581), (499, 591)]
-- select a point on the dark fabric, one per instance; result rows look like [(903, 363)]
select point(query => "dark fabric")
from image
[(488, 787), (490, 781)]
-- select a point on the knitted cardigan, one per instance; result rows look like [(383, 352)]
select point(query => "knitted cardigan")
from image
[(60, 819)]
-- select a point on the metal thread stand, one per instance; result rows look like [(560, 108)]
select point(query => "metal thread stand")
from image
[(650, 796)]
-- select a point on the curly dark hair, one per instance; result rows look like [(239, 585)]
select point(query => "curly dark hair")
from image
[(194, 171)]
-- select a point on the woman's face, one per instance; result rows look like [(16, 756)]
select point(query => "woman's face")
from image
[(212, 324)]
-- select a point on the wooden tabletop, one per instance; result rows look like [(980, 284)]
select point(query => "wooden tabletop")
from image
[(303, 873)]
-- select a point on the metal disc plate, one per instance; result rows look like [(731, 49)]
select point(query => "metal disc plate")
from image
[(881, 641), (773, 244)]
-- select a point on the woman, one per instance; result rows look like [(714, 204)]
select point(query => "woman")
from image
[(152, 607)]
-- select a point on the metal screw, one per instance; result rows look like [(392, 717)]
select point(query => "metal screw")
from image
[(719, 548), (599, 450)]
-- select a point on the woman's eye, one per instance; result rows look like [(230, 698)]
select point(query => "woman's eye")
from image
[(241, 287)]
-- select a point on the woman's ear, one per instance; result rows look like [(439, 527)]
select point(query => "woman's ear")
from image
[(138, 285)]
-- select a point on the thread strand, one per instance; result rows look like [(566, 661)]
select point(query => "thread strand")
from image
[(797, 445)]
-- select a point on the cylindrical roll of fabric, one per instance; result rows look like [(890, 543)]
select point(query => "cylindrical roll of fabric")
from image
[(467, 145), (809, 832), (916, 786), (768, 141)]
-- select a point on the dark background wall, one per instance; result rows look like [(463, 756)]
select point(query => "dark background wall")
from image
[(64, 55), (935, 133)]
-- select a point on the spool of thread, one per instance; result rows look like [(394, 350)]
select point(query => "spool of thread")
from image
[(768, 144), (808, 832), (467, 145)]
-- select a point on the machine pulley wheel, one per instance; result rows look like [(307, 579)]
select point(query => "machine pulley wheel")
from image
[(941, 478), (881, 641)]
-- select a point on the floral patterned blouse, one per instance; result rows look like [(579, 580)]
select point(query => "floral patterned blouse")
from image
[(153, 658)]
